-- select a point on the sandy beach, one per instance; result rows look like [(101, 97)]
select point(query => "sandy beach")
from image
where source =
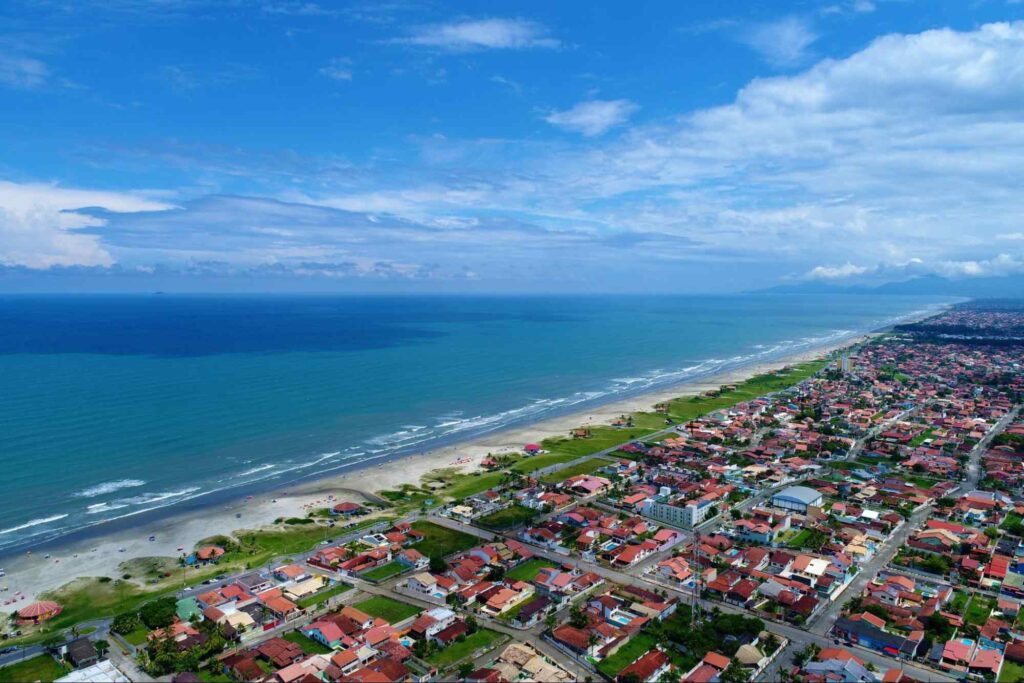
[(28, 576)]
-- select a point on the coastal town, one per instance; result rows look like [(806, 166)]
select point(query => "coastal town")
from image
[(859, 518)]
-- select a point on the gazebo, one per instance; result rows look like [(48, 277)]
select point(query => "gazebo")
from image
[(38, 612)]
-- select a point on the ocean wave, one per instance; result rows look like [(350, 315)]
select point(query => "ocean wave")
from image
[(257, 470), (99, 508), (148, 498), (108, 487), (32, 523)]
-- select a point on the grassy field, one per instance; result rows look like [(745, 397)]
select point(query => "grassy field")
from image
[(685, 409), (41, 668), (441, 541), (454, 653), (959, 602), (384, 571), (323, 595), (137, 636), (469, 485), (638, 646), (213, 674), (979, 610), (509, 518), (586, 467), (799, 540), (308, 645), (527, 571), (1011, 672), (386, 608)]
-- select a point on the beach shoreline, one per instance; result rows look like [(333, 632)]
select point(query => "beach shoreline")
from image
[(98, 554)]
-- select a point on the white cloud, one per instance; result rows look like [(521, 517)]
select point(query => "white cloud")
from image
[(835, 272), (594, 117), (783, 42), (478, 34), (1000, 265), (1011, 236), (1003, 264), (339, 69), (40, 228), (22, 72)]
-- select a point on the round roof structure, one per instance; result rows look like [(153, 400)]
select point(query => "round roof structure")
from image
[(43, 608)]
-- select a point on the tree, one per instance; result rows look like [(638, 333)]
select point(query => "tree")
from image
[(102, 647), (577, 619), (629, 678), (734, 673), (670, 676), (472, 624), (159, 613), (438, 565), (550, 621), (53, 641), (465, 669), (125, 623)]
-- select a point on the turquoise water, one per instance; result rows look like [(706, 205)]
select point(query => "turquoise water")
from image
[(116, 406)]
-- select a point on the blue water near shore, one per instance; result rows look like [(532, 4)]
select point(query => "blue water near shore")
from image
[(118, 406)]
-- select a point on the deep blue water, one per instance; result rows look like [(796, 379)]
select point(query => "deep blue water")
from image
[(110, 406)]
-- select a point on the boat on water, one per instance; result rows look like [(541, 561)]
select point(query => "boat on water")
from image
[(152, 538)]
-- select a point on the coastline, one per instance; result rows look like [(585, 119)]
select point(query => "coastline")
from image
[(99, 554)]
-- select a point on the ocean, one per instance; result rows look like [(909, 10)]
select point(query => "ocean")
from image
[(116, 406)]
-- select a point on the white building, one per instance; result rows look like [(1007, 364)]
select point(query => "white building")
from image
[(797, 499), (686, 516)]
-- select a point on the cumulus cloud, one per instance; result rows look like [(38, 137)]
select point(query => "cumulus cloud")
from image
[(480, 34), (997, 266), (903, 158), (835, 272), (783, 42), (42, 226), (594, 117)]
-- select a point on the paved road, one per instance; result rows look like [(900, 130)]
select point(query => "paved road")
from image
[(974, 461)]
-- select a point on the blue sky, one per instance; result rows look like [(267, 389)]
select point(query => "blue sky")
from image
[(409, 146)]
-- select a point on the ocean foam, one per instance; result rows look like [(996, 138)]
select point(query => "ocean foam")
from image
[(109, 487), (32, 523)]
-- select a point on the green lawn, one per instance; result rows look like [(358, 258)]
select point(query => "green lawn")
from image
[(323, 595), (586, 467), (137, 636), (527, 571), (920, 438), (799, 540), (638, 646), (509, 518), (959, 602), (40, 668), (471, 485), (214, 674), (308, 645), (454, 653), (979, 610), (384, 571), (441, 541), (1011, 672), (391, 610)]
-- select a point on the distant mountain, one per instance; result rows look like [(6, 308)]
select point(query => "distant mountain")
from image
[(1001, 287)]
